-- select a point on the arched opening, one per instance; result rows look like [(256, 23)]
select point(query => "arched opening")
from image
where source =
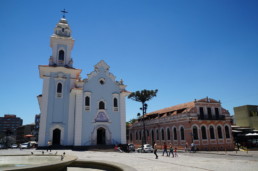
[(56, 136), (61, 55), (152, 136), (175, 134), (162, 134), (219, 132), (212, 132), (87, 101), (227, 132), (204, 136), (182, 131), (168, 134), (101, 105), (59, 88), (101, 136), (195, 133), (157, 132), (115, 102)]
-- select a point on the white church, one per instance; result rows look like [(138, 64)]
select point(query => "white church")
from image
[(76, 112)]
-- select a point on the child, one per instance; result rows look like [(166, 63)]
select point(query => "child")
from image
[(175, 152)]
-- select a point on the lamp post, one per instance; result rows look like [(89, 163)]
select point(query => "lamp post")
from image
[(144, 109)]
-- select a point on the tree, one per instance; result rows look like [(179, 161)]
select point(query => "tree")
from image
[(143, 96)]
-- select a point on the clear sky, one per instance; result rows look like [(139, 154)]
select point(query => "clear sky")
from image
[(184, 48)]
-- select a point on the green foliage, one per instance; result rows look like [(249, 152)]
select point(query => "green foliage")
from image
[(143, 95)]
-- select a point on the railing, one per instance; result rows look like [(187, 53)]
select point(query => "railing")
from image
[(205, 117)]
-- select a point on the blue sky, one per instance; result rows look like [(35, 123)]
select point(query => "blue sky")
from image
[(186, 49)]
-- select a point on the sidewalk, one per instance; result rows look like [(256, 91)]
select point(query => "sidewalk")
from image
[(201, 160)]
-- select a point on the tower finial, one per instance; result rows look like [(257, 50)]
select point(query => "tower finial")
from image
[(64, 12)]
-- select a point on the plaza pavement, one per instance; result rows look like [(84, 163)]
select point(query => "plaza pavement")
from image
[(202, 160)]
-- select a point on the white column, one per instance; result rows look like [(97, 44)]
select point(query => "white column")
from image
[(122, 117), (43, 116), (71, 118), (78, 118)]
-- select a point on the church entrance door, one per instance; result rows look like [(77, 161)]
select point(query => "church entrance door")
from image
[(101, 136), (56, 136)]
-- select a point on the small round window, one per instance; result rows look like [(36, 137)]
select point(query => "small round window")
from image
[(102, 81)]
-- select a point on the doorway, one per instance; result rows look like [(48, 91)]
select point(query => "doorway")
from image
[(101, 136), (56, 136)]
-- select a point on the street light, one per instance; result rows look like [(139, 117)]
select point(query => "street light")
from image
[(144, 109)]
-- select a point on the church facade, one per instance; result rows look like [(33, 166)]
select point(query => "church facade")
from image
[(76, 112)]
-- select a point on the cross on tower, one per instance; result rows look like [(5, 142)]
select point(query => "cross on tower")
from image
[(64, 12)]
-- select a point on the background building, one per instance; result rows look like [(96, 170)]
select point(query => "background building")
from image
[(24, 133), (10, 123), (36, 129), (204, 122), (247, 116)]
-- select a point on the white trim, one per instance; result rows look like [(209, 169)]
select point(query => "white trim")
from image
[(78, 118), (43, 116), (122, 106)]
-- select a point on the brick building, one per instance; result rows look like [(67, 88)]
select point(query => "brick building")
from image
[(24, 130), (203, 122)]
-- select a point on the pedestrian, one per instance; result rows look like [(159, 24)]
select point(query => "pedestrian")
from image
[(171, 150), (155, 150), (49, 143), (175, 152), (192, 147), (186, 146), (165, 149)]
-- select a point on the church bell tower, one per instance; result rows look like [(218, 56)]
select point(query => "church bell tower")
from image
[(61, 43)]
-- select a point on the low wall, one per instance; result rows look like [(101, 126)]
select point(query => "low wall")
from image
[(36, 162)]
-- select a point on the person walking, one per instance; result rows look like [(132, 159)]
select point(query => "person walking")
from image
[(186, 147), (165, 149), (171, 150), (49, 145), (155, 150), (175, 152)]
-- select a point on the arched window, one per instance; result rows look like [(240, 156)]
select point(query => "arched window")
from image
[(87, 101), (182, 133), (212, 132), (219, 132), (131, 137), (147, 132), (157, 134), (162, 134), (101, 105), (204, 136), (59, 88), (227, 132), (140, 135), (136, 135), (175, 134), (115, 102), (195, 133), (152, 135), (61, 55), (168, 134)]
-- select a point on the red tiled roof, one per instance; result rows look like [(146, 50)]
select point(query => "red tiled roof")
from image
[(181, 108)]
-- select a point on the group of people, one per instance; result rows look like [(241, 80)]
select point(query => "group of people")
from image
[(172, 151)]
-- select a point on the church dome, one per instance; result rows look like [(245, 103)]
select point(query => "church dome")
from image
[(62, 28)]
